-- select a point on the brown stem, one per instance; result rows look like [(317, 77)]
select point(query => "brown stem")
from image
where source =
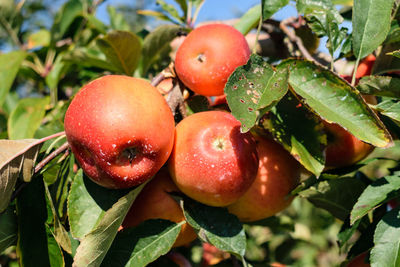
[(51, 156), (168, 72), (158, 79), (295, 39)]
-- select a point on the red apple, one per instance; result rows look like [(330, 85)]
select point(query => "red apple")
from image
[(155, 202), (343, 148), (359, 261), (120, 130), (278, 174), (212, 161), (208, 56)]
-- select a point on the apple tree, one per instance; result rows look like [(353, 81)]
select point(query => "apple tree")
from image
[(323, 85)]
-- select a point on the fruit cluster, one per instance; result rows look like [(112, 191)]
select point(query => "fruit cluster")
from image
[(122, 132)]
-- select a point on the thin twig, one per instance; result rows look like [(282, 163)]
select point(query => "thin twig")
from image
[(38, 167), (295, 39), (51, 156)]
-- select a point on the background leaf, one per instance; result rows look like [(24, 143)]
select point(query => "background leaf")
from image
[(143, 244), (122, 50), (155, 42), (9, 66), (371, 24), (27, 117)]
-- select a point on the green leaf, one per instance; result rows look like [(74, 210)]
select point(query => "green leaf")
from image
[(395, 53), (89, 57), (387, 241), (249, 20), (8, 229), (27, 117), (394, 33), (41, 38), (143, 244), (347, 232), (155, 42), (65, 17), (122, 50), (245, 88), (319, 8), (56, 257), (87, 204), (216, 226), (33, 248), (374, 195), (94, 245), (117, 20), (155, 14), (390, 109), (323, 18), (299, 131), (17, 158), (9, 66), (170, 9), (371, 24), (380, 86), (270, 7), (336, 196), (60, 234), (58, 69), (336, 101), (183, 5)]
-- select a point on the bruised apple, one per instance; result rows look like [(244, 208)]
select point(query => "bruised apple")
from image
[(208, 56), (120, 130), (155, 202), (212, 161), (278, 174)]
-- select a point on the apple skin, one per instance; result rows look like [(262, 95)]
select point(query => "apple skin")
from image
[(343, 148), (113, 128), (212, 161), (155, 202), (278, 174), (359, 261), (365, 66), (208, 56)]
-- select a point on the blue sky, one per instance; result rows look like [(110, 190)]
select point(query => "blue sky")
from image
[(218, 10), (211, 10)]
